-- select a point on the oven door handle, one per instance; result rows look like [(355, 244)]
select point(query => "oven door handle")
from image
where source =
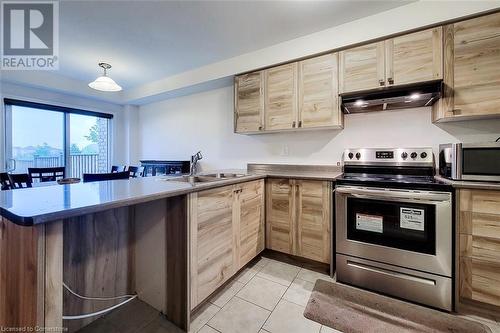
[(394, 194), (390, 273)]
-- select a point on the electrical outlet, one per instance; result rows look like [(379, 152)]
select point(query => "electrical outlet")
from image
[(284, 150)]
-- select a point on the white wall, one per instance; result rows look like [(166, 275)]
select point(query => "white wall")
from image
[(176, 128), (411, 16), (119, 131)]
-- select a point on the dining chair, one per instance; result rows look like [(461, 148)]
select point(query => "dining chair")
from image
[(135, 171), (118, 168), (20, 180), (97, 177), (5, 181), (47, 174)]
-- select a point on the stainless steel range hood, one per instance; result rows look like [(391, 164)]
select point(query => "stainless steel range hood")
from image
[(392, 98)]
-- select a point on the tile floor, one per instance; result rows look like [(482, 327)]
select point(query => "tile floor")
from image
[(268, 297)]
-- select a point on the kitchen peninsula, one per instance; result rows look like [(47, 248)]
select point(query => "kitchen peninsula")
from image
[(101, 239)]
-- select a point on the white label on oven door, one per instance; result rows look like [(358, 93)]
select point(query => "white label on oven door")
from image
[(371, 223), (411, 218)]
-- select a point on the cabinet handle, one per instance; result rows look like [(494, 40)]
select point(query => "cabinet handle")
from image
[(300, 123), (293, 124), (456, 110), (260, 128), (391, 80), (381, 82)]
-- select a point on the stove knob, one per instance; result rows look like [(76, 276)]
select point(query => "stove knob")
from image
[(423, 155), (358, 156), (351, 155), (413, 155), (404, 155)]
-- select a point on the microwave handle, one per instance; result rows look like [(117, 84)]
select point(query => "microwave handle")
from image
[(393, 194)]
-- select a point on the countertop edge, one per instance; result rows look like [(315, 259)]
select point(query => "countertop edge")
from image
[(69, 213), (469, 184)]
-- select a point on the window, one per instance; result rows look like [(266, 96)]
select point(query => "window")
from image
[(39, 135)]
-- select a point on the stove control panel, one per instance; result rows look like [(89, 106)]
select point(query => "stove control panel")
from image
[(389, 156)]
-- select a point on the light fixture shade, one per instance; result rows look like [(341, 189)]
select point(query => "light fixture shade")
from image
[(105, 83)]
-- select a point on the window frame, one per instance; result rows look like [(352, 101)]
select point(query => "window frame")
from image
[(67, 111)]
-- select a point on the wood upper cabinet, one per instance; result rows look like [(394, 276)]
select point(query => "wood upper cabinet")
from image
[(226, 232), (410, 58), (415, 57), (472, 69), (249, 102), (251, 217), (298, 218), (318, 92), (476, 66), (281, 97), (362, 67), (479, 239)]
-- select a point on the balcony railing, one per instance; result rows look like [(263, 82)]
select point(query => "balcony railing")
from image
[(84, 163), (79, 164)]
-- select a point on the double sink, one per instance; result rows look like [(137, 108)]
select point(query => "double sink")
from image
[(211, 177)]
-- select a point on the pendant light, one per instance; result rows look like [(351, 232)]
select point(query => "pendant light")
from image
[(105, 83)]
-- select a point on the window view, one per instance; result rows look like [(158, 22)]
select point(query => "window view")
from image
[(38, 140), (88, 148)]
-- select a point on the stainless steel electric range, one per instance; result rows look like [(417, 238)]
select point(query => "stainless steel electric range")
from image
[(394, 225)]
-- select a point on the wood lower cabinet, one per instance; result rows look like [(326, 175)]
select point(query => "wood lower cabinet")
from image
[(281, 97), (362, 67), (212, 242), (249, 102), (319, 92), (313, 219), (280, 216), (479, 242), (298, 218), (472, 70), (250, 215), (415, 57), (226, 232)]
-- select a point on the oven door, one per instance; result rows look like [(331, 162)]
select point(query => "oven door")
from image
[(406, 228)]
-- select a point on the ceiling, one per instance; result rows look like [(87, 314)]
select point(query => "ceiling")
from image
[(150, 40)]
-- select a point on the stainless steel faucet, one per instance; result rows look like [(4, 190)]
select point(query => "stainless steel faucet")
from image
[(194, 163)]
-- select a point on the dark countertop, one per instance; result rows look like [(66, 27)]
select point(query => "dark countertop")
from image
[(313, 172), (43, 204), (470, 184)]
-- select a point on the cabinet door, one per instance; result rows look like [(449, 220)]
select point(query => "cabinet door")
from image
[(251, 220), (476, 66), (212, 241), (249, 102), (415, 57), (362, 67), (281, 98), (318, 92), (313, 220), (479, 239), (280, 215)]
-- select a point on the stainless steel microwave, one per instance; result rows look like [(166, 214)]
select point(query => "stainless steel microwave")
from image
[(470, 161)]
